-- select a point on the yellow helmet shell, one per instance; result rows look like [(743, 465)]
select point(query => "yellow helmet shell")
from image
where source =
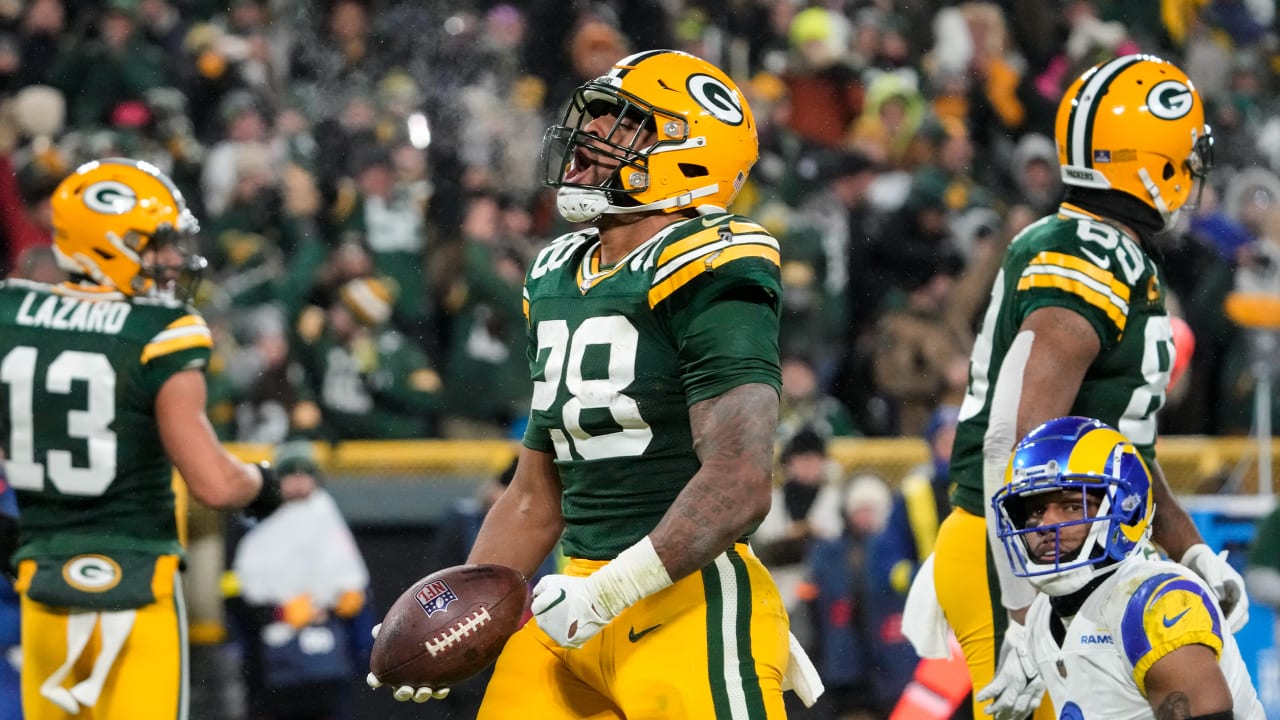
[(107, 212), (1135, 124)]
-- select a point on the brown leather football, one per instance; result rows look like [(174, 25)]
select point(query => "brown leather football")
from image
[(449, 626)]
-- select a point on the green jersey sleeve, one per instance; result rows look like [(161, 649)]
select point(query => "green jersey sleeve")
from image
[(720, 289), (183, 344)]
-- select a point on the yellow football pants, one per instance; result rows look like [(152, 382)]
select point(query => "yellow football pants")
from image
[(712, 646), (148, 679), (969, 593)]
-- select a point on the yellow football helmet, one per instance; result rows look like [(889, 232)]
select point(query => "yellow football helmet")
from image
[(1135, 124), (704, 148), (109, 212)]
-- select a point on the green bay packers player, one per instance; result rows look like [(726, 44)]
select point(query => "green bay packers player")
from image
[(102, 393), (653, 347), (1077, 324), (1115, 632)]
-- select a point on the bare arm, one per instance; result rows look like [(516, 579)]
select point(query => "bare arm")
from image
[(1187, 682), (214, 476), (1065, 346), (524, 524), (733, 437)]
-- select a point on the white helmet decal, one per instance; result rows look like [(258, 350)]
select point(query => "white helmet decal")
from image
[(110, 197), (715, 98), (1170, 100)]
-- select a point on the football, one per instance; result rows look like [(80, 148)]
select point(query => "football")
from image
[(449, 626)]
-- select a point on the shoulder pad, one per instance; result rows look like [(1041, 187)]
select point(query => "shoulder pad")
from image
[(1167, 611), (728, 244), (185, 333)]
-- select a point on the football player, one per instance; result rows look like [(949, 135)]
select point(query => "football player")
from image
[(653, 349), (1116, 631), (1077, 323), (102, 393)]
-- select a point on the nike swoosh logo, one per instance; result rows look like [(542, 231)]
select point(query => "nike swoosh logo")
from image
[(712, 221), (1170, 622), (555, 602), (634, 636)]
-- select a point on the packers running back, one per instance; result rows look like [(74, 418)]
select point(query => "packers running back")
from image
[(606, 344)]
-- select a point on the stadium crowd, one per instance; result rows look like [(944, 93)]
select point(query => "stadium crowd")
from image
[(367, 180)]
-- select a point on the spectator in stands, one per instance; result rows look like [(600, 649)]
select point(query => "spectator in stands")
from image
[(828, 229), (300, 607), (804, 403), (920, 360), (486, 370), (920, 502), (368, 380), (848, 646), (806, 508), (116, 66)]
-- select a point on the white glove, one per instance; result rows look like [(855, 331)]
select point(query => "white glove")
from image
[(801, 676), (1017, 688), (571, 610), (1225, 581), (404, 693), (568, 609)]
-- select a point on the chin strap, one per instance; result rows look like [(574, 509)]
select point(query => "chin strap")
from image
[(584, 204)]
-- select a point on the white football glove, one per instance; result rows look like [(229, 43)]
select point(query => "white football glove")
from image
[(569, 609), (1225, 581), (1017, 688), (404, 693)]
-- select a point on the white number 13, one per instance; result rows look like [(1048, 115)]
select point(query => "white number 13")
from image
[(92, 424)]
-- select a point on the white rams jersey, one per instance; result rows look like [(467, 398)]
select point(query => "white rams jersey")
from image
[(1139, 614)]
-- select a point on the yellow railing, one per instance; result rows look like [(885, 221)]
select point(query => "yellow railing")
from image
[(1190, 462)]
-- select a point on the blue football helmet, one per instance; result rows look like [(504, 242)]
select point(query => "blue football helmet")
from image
[(1074, 454)]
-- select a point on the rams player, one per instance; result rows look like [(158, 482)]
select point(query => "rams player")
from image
[(102, 392), (1077, 324), (1114, 634), (653, 347)]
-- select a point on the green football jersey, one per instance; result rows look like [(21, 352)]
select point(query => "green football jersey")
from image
[(618, 354), (80, 368), (1076, 261)]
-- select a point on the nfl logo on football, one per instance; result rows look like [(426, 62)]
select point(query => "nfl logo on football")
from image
[(435, 597)]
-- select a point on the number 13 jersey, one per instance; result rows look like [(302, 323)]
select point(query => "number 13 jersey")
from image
[(618, 355), (80, 367), (1080, 262)]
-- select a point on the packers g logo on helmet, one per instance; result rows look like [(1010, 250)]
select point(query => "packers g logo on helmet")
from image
[(1135, 124), (1170, 100), (715, 98), (110, 197)]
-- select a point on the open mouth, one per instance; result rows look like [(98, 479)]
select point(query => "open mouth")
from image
[(580, 166)]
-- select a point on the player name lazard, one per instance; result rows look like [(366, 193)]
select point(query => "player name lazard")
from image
[(68, 313)]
